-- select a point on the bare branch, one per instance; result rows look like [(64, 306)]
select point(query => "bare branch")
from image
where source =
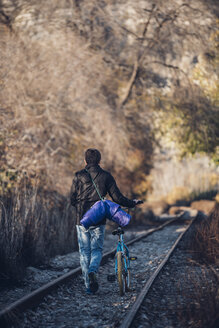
[(130, 84), (136, 63)]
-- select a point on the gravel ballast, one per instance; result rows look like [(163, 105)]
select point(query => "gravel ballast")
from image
[(185, 294), (69, 306)]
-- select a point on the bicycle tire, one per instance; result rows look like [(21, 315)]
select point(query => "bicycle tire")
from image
[(120, 275), (127, 276)]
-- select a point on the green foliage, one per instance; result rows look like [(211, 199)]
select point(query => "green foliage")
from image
[(191, 117), (194, 127)]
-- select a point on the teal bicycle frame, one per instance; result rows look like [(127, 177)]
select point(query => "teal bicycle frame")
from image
[(121, 247), (122, 264)]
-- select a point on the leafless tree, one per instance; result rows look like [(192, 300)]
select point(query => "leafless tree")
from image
[(77, 74)]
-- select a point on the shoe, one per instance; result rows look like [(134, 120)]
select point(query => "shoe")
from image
[(93, 282), (89, 292)]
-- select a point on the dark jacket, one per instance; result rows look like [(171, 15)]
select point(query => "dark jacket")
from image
[(83, 193)]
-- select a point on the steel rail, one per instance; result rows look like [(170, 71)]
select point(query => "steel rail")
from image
[(8, 315), (126, 323), (141, 236)]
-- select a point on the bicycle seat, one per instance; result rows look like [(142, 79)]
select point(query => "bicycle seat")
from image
[(118, 231)]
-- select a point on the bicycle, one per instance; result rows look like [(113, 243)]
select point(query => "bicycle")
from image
[(122, 264)]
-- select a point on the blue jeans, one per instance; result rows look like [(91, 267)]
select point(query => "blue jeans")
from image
[(90, 244)]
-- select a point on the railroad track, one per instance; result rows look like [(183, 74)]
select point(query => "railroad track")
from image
[(127, 322), (12, 312)]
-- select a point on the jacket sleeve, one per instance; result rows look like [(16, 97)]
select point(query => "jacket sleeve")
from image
[(116, 194), (74, 191)]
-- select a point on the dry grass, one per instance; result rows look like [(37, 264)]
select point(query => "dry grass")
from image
[(201, 286), (198, 292), (33, 227), (53, 109), (201, 299), (205, 244), (55, 98)]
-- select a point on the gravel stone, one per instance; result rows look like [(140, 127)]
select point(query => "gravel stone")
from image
[(184, 289), (69, 306), (36, 277)]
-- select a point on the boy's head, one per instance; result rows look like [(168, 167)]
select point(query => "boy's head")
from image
[(92, 156)]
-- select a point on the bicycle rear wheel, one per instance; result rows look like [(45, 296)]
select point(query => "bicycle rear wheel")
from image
[(120, 273), (127, 274)]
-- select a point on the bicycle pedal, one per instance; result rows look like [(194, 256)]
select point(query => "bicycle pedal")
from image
[(133, 258), (111, 277)]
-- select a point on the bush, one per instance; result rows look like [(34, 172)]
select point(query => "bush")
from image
[(34, 225), (205, 244), (200, 288), (200, 307)]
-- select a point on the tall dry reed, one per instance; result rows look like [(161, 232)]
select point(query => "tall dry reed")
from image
[(205, 243), (34, 225)]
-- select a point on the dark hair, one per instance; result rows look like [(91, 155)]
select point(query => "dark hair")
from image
[(92, 156)]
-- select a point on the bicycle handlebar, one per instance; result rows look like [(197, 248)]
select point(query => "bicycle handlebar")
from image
[(138, 201)]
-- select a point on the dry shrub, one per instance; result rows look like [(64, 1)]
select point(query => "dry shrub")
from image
[(204, 205), (198, 297), (205, 243), (177, 194), (34, 226), (53, 106), (201, 299), (44, 94)]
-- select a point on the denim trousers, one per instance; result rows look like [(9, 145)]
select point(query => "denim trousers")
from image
[(90, 242)]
